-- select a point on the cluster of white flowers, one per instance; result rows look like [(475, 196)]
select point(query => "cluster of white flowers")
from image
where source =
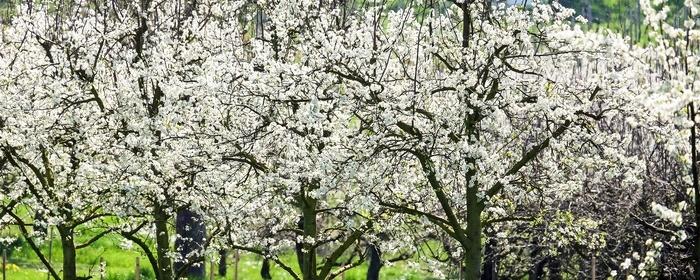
[(644, 266), (667, 214)]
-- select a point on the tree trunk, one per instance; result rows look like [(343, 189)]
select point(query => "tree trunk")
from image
[(189, 244), (554, 268), (265, 270), (375, 262), (222, 263), (309, 253), (165, 269), (472, 258), (68, 247), (537, 270)]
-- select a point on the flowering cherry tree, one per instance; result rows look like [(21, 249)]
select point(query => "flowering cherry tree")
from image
[(476, 116), (52, 132), (295, 133)]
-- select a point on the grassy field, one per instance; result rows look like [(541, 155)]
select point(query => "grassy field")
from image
[(120, 264)]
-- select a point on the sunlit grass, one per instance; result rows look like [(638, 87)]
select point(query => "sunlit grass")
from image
[(120, 264)]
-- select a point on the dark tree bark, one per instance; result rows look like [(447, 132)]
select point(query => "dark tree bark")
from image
[(554, 268), (537, 270), (309, 228), (165, 268), (375, 262), (265, 270), (538, 264), (68, 247), (189, 243), (222, 262), (472, 242)]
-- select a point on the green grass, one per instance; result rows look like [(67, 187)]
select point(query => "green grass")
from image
[(120, 264), (119, 261)]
